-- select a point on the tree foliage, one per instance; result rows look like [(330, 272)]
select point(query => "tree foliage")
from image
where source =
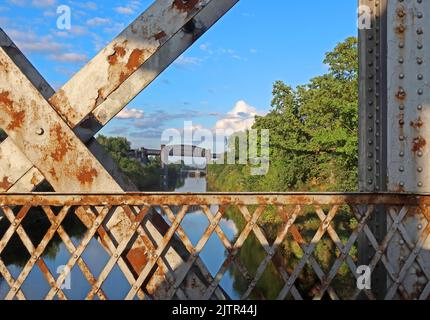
[(313, 132), (146, 178)]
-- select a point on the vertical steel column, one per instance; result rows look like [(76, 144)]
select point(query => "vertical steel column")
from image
[(408, 96), (408, 130), (394, 131), (373, 125)]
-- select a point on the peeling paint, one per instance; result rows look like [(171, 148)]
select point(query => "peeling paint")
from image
[(17, 117), (185, 5), (62, 144), (86, 174)]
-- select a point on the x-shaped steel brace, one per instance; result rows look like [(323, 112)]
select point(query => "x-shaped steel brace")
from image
[(89, 100), (50, 135)]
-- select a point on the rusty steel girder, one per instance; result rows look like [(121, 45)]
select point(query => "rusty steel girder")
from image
[(56, 142), (328, 208), (394, 113), (159, 54)]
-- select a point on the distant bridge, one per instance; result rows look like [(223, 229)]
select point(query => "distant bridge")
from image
[(143, 154), (180, 151)]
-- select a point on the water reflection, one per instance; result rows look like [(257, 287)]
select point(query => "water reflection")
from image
[(116, 286)]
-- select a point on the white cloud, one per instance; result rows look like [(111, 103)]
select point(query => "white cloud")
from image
[(97, 21), (128, 9), (130, 114), (42, 3), (206, 47), (29, 42), (184, 61), (241, 118), (90, 5), (124, 10), (19, 3), (68, 57)]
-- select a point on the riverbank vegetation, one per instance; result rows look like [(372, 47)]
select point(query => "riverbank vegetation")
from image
[(145, 177), (313, 147)]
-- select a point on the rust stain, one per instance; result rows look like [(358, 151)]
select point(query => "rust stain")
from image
[(17, 117), (418, 144), (86, 174), (100, 99), (160, 35), (400, 189), (34, 181), (134, 60), (118, 52), (401, 94), (5, 184), (400, 29), (53, 173), (122, 77), (62, 105), (401, 12), (137, 258), (417, 124), (184, 5), (62, 144)]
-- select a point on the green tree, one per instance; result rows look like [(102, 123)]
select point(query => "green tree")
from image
[(313, 132), (146, 178)]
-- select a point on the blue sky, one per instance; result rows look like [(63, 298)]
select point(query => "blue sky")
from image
[(222, 81)]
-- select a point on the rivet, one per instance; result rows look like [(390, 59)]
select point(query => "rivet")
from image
[(402, 169), (40, 131), (420, 184), (420, 77), (420, 107), (420, 169)]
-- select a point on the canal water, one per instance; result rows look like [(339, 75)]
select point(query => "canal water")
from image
[(116, 286)]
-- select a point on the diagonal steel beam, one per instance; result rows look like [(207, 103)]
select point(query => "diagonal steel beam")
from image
[(204, 18), (17, 176), (123, 56), (45, 138)]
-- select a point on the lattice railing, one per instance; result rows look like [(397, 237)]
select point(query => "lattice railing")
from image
[(285, 246)]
